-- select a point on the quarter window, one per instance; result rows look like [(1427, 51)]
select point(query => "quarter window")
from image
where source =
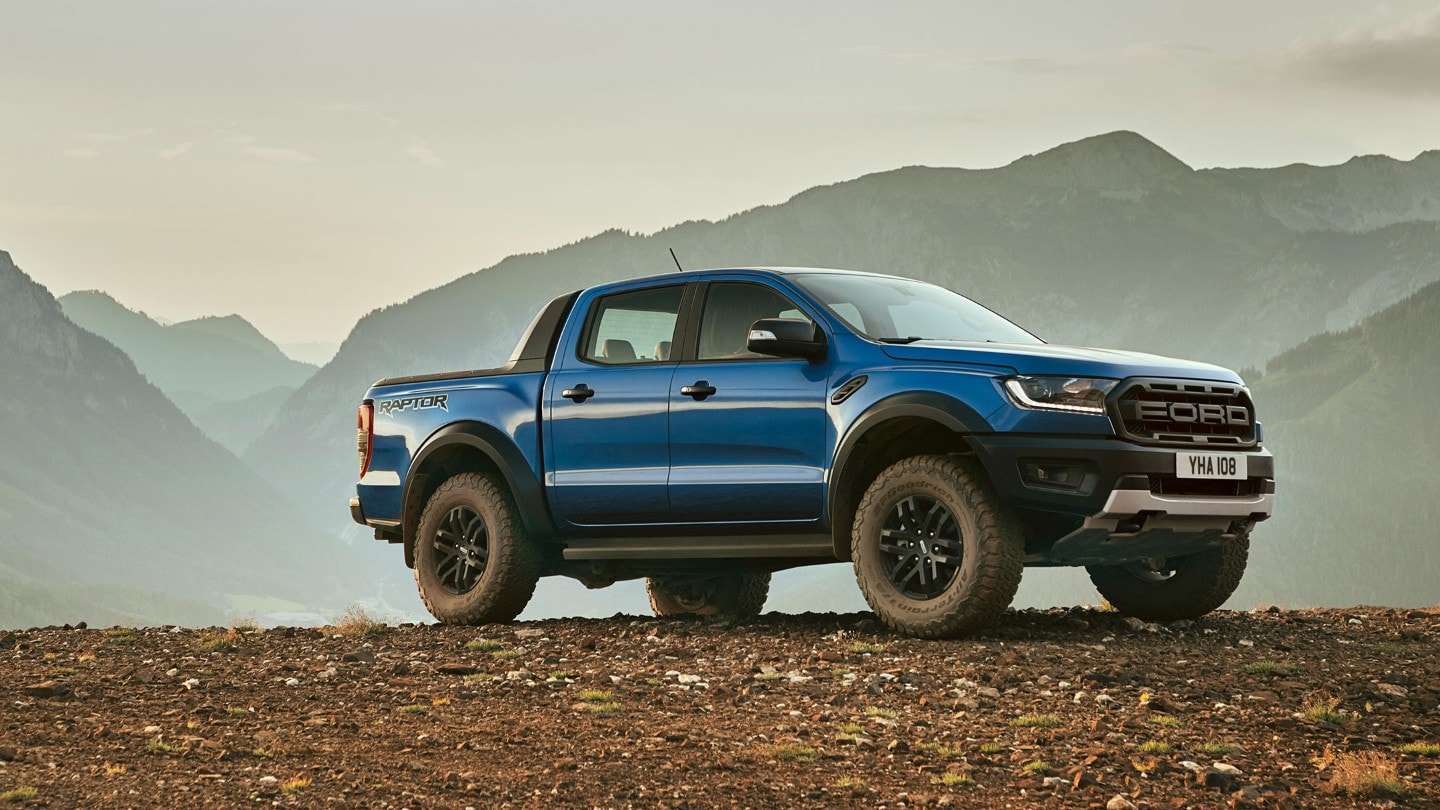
[(633, 327)]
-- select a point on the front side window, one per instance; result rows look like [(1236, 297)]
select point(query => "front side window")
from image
[(632, 328), (730, 309)]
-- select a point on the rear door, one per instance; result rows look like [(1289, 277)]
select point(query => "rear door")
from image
[(754, 449), (607, 424)]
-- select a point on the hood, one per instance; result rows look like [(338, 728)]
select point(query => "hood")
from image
[(1073, 361)]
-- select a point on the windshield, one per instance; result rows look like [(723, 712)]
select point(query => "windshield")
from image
[(897, 310)]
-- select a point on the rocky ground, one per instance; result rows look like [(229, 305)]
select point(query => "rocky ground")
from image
[(1065, 708)]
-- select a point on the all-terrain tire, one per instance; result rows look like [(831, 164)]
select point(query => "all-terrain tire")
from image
[(739, 595), (973, 558), (1191, 586), (474, 563)]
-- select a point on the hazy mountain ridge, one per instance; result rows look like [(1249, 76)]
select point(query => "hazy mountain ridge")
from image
[(114, 507), (1137, 251), (205, 365), (1351, 419)]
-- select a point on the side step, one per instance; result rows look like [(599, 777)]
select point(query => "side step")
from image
[(692, 548)]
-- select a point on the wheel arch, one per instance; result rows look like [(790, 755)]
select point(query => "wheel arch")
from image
[(470, 446), (891, 429)]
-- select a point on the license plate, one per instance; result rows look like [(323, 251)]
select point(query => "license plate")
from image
[(1210, 465)]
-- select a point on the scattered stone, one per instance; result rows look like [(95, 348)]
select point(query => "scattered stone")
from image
[(8, 754), (456, 669), (292, 681), (1119, 803), (358, 657), (898, 746), (1392, 690), (529, 632), (47, 689), (1140, 625)]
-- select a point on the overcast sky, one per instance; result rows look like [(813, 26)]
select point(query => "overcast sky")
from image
[(302, 163)]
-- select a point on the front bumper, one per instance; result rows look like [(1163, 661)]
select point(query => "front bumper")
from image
[(1127, 499), (1112, 465)]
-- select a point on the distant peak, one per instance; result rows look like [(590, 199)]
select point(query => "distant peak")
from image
[(1120, 160)]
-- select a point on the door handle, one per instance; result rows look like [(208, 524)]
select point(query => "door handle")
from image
[(579, 393), (700, 390)]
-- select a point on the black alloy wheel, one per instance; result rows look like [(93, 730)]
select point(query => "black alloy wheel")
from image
[(921, 547), (462, 549)]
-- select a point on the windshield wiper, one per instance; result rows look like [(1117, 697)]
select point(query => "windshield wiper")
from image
[(900, 340)]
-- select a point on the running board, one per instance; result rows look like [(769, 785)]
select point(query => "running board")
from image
[(693, 548)]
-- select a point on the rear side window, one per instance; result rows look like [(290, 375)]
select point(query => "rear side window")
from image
[(633, 328)]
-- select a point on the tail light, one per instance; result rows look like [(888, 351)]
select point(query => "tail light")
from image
[(364, 424)]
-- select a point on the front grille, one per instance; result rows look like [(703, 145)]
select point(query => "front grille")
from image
[(1184, 413), (1173, 485)]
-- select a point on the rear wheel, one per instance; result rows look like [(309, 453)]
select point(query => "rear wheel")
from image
[(473, 562), (741, 595), (935, 554), (1166, 590)]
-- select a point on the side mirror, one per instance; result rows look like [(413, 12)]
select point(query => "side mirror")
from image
[(784, 337)]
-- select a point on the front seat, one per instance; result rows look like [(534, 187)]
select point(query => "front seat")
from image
[(662, 350)]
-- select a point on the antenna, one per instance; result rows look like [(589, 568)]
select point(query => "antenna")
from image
[(677, 261)]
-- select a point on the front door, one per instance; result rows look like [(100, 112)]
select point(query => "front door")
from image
[(754, 449)]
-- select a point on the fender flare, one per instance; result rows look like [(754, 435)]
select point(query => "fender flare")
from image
[(940, 408), (525, 487)]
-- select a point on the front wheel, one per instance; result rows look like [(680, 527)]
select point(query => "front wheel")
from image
[(935, 553), (473, 562), (739, 595), (1167, 590)]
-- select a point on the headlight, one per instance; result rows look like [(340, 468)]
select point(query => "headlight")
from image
[(1067, 394)]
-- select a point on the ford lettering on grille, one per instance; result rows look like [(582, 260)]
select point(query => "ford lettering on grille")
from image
[(1184, 413)]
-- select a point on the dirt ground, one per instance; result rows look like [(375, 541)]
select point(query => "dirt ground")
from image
[(1062, 708)]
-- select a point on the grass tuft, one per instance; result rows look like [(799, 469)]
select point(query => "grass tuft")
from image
[(1324, 710), (212, 642), (1035, 721), (794, 752), (1166, 720), (236, 711), (1036, 766), (951, 779), (1155, 747), (851, 728), (293, 786), (115, 769), (851, 784), (595, 695), (263, 753), (765, 677), (356, 621), (159, 746), (990, 748), (1366, 774), (124, 635), (605, 709), (882, 713), (19, 794), (1420, 749), (413, 708), (1214, 748), (484, 645), (506, 655), (866, 648), (1283, 668)]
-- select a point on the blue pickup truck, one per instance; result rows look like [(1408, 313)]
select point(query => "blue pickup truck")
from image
[(705, 429)]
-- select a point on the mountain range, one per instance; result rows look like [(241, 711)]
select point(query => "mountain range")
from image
[(114, 507), (221, 371), (1318, 281), (1108, 241)]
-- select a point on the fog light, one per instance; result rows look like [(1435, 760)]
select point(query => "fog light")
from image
[(1053, 474)]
